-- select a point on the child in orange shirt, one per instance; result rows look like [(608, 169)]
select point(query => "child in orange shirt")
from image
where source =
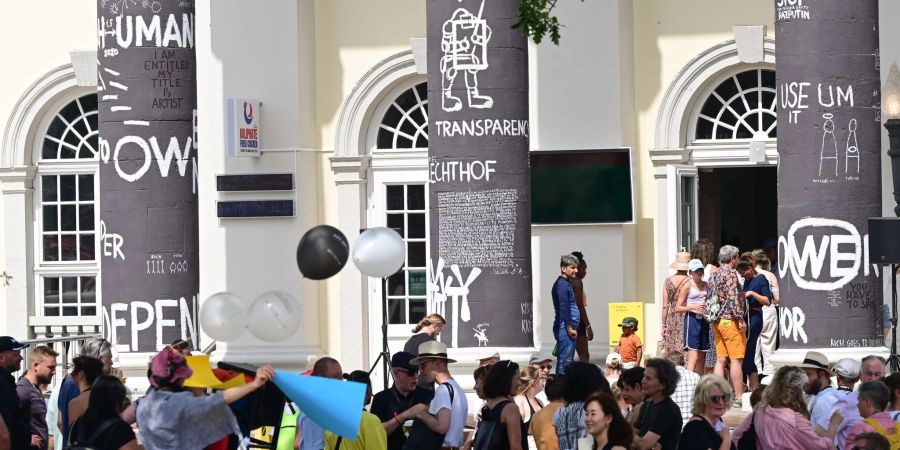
[(630, 346)]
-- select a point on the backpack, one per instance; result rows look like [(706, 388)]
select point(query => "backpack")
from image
[(713, 303), (423, 438), (893, 438), (748, 439), (77, 440), (485, 436)]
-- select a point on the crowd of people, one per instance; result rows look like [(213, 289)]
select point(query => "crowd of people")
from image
[(718, 335)]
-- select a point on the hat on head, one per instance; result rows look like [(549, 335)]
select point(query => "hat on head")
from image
[(629, 322), (814, 360), (431, 349), (169, 367), (613, 358), (403, 360), (695, 265), (681, 261), (847, 368), (496, 356), (537, 358), (9, 343)]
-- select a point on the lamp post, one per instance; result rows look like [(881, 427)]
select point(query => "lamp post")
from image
[(892, 124), (892, 112)]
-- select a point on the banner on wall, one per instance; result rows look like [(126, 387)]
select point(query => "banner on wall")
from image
[(148, 172), (829, 174), (619, 311), (479, 187)]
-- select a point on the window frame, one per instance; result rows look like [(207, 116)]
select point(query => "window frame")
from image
[(700, 100), (392, 166), (44, 269)]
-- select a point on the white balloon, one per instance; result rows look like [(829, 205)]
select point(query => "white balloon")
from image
[(379, 252), (274, 316), (223, 316)]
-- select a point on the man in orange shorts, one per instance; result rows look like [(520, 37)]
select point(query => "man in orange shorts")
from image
[(730, 330)]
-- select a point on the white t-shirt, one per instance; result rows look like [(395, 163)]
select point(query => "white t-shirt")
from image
[(458, 411)]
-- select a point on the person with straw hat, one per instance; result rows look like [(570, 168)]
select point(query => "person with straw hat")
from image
[(672, 333), (441, 423)]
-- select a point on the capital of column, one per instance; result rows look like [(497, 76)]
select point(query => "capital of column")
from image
[(350, 169)]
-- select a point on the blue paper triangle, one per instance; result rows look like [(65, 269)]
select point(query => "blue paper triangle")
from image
[(334, 405)]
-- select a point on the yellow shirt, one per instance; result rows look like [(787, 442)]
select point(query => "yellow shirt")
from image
[(371, 436)]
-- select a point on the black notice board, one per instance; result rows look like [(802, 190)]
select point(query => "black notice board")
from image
[(255, 208), (255, 182), (581, 186)]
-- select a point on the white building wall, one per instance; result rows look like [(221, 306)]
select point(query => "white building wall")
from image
[(246, 51), (581, 99)]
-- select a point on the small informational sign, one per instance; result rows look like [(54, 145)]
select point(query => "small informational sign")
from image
[(242, 130), (255, 208), (619, 311), (255, 182)]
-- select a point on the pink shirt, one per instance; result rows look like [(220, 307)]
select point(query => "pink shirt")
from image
[(782, 429), (882, 417)]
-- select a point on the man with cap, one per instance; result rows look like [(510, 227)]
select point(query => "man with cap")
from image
[(845, 411), (541, 362), (846, 370), (818, 386), (441, 423), (393, 405), (14, 417)]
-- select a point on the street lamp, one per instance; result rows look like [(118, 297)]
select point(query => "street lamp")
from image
[(891, 108), (892, 111)]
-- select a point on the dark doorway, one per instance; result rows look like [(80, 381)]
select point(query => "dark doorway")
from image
[(738, 206)]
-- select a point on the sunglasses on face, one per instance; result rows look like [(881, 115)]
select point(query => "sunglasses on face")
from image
[(546, 367), (720, 398), (410, 373)]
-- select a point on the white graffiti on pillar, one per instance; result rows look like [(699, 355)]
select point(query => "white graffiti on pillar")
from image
[(845, 251), (111, 243), (464, 41), (442, 289), (792, 320), (146, 321), (481, 334)]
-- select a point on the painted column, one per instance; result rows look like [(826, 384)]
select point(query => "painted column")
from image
[(829, 173), (479, 190), (148, 188)]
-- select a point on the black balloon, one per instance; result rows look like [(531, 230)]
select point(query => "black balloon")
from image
[(322, 252)]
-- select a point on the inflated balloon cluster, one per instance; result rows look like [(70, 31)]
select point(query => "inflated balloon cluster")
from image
[(322, 253)]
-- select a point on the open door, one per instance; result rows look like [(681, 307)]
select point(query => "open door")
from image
[(683, 216)]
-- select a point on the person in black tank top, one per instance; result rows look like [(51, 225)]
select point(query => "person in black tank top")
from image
[(494, 432), (530, 384)]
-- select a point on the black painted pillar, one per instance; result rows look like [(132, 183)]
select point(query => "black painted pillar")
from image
[(148, 189), (829, 173), (479, 190)]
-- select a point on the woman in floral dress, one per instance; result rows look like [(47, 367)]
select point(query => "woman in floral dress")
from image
[(673, 322)]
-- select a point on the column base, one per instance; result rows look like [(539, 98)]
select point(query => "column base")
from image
[(793, 356)]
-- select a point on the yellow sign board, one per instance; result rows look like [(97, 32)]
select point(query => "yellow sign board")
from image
[(619, 311)]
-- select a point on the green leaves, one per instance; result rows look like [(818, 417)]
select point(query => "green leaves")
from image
[(536, 20)]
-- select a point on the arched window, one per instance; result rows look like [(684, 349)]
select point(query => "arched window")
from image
[(741, 107), (405, 123), (66, 196), (402, 198)]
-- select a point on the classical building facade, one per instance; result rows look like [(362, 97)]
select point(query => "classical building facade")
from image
[(688, 87)]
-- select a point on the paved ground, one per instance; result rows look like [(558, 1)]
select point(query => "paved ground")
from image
[(734, 417)]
